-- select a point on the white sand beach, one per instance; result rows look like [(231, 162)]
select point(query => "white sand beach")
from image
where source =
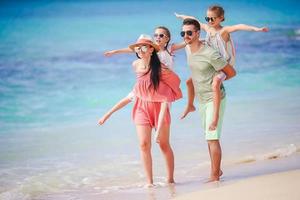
[(277, 186), (55, 84)]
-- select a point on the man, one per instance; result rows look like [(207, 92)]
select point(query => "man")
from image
[(205, 62)]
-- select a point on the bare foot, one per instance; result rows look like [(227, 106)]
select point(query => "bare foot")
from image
[(103, 119), (221, 173), (171, 181), (213, 179), (188, 109), (149, 185)]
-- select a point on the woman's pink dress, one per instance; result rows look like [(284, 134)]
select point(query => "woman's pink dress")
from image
[(148, 101)]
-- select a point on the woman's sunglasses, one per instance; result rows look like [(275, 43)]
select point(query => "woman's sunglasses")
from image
[(189, 33), (212, 19), (159, 35), (141, 48)]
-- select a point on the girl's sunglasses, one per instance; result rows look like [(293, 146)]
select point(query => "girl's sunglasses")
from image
[(141, 48), (189, 33), (159, 35), (212, 19)]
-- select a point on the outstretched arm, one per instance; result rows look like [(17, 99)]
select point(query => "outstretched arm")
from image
[(116, 51), (123, 102), (175, 47), (245, 27), (183, 17)]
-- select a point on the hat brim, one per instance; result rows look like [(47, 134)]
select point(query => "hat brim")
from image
[(156, 47)]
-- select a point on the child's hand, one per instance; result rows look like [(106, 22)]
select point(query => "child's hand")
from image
[(108, 53), (213, 126), (264, 29), (177, 15)]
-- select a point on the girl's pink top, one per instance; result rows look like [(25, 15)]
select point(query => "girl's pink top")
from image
[(167, 91)]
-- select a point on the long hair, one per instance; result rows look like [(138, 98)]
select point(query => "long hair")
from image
[(155, 70), (168, 33)]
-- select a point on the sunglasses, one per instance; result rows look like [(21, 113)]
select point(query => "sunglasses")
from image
[(141, 49), (189, 33), (212, 19), (159, 35)]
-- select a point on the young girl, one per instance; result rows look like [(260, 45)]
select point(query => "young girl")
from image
[(162, 38), (155, 88), (218, 37)]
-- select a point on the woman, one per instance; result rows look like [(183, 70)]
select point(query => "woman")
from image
[(154, 89)]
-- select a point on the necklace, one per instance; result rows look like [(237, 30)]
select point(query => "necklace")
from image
[(144, 68)]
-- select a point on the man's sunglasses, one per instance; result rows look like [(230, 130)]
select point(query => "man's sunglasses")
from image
[(159, 35), (141, 48), (189, 33), (212, 19)]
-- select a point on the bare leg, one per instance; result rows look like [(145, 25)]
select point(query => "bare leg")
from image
[(167, 151), (144, 135), (104, 118), (162, 113), (123, 102), (216, 86), (215, 153), (191, 96), (211, 161)]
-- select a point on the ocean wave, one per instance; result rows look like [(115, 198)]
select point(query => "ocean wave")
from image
[(138, 186), (297, 34), (276, 154), (27, 191), (14, 195)]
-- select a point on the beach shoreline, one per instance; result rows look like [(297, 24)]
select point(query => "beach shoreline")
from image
[(56, 84), (275, 186), (258, 176)]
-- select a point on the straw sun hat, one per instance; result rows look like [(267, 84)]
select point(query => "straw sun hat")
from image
[(144, 39)]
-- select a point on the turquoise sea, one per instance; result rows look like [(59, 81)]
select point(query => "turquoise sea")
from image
[(55, 84)]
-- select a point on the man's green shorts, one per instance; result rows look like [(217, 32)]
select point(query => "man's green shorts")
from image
[(206, 112)]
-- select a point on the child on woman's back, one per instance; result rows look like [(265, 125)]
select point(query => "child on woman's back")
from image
[(162, 38)]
